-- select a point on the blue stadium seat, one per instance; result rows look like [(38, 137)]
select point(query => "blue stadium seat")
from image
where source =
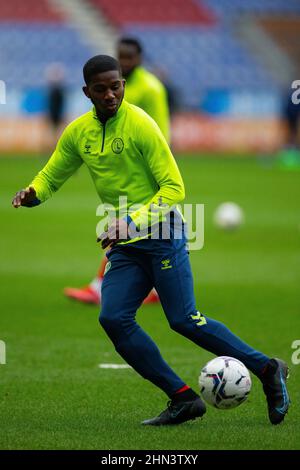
[(195, 58), (27, 49), (203, 58)]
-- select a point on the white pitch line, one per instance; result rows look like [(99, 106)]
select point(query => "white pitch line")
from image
[(114, 366)]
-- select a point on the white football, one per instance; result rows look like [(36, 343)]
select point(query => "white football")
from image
[(228, 215), (224, 382)]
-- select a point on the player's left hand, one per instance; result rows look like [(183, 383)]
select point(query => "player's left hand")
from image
[(118, 230)]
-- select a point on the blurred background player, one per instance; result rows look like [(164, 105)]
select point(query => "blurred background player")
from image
[(289, 155), (292, 117), (142, 88), (55, 101), (145, 90)]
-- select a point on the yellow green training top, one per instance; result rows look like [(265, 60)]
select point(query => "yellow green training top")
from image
[(143, 89), (127, 156)]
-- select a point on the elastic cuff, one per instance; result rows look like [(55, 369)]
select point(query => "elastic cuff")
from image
[(35, 202)]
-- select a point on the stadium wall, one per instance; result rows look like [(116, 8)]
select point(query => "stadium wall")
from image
[(192, 133), (224, 122)]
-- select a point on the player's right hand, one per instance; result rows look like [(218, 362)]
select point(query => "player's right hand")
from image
[(24, 197), (117, 231)]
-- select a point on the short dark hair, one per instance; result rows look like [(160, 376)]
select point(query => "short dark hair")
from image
[(132, 42), (99, 64)]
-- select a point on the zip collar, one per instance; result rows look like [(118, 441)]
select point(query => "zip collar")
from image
[(116, 116)]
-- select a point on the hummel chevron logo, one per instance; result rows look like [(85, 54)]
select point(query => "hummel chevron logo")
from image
[(166, 264), (199, 319)]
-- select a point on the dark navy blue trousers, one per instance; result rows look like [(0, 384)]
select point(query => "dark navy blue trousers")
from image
[(132, 271)]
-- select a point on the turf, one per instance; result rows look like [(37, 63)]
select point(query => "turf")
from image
[(53, 395)]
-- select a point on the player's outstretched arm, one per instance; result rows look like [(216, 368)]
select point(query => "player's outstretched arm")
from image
[(64, 161), (25, 197)]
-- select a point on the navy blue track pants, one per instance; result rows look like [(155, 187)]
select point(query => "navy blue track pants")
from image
[(132, 271)]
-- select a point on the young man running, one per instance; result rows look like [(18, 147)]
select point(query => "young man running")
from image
[(128, 156)]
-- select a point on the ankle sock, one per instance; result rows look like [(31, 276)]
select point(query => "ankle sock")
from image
[(184, 394)]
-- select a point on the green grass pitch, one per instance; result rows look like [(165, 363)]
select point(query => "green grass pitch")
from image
[(53, 395)]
